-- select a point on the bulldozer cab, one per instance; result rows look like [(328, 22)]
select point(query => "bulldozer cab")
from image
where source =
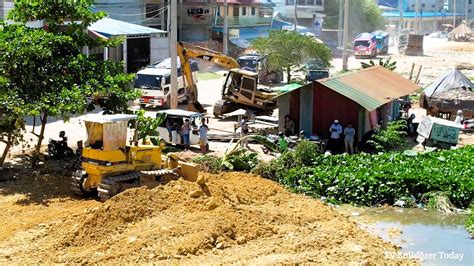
[(241, 85), (107, 132)]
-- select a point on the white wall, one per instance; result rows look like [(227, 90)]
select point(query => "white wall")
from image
[(159, 48)]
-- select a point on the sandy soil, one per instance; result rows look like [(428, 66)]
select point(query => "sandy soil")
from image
[(233, 218)]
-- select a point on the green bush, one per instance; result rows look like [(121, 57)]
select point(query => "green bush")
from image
[(369, 179), (211, 164), (390, 137), (470, 221)]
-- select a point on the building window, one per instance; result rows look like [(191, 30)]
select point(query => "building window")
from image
[(236, 11), (301, 2), (319, 2), (470, 1), (290, 2), (244, 11), (310, 2), (254, 11)]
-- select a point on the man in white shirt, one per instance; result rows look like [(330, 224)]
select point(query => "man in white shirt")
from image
[(335, 139)]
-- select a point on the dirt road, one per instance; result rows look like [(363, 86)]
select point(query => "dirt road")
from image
[(235, 217)]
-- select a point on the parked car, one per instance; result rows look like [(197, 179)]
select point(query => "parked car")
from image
[(468, 125)]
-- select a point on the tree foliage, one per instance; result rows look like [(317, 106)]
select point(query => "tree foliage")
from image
[(364, 16), (46, 69), (288, 49)]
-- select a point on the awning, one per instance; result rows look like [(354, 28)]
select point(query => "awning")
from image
[(112, 27), (371, 87)]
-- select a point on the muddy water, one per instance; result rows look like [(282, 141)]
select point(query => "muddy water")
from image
[(433, 238)]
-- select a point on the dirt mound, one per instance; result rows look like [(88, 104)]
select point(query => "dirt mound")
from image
[(230, 217)]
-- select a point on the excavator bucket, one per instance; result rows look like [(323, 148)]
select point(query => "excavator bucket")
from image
[(196, 106)]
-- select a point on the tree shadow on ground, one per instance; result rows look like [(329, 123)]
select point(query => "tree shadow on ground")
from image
[(49, 181)]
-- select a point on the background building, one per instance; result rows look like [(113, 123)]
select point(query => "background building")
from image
[(5, 7)]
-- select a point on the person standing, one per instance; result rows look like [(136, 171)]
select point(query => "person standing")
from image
[(289, 126), (335, 138), (459, 117), (349, 134), (203, 129), (185, 133)]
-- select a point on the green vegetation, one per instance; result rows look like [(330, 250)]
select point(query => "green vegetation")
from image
[(286, 50), (364, 16), (390, 137), (147, 126), (239, 160), (44, 73), (470, 221), (370, 179), (386, 64)]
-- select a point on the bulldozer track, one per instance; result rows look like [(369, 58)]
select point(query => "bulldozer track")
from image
[(76, 182), (113, 185)]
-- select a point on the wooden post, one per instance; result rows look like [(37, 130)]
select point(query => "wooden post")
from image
[(411, 71), (417, 80)]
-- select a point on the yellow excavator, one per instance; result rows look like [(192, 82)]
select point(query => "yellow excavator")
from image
[(240, 90), (109, 166)]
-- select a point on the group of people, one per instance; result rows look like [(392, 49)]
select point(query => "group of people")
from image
[(336, 139), (185, 130)]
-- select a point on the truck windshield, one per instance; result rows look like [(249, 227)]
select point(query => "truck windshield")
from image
[(248, 63), (150, 82), (361, 43)]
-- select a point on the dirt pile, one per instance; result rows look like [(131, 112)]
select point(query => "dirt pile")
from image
[(230, 217)]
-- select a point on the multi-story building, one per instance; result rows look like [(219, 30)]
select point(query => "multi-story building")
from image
[(150, 13), (306, 10), (465, 8)]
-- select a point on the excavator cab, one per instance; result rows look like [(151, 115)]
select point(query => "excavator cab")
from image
[(241, 90), (110, 166)]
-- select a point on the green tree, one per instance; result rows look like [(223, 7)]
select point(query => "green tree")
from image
[(288, 49), (364, 16), (47, 69)]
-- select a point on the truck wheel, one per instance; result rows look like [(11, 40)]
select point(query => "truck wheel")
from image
[(142, 106)]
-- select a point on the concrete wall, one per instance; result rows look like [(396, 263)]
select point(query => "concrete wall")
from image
[(159, 48), (132, 11)]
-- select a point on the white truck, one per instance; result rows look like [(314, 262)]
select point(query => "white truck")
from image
[(154, 82)]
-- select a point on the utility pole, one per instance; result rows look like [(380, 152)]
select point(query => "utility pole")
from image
[(417, 15), (296, 17), (174, 55), (226, 28), (454, 14), (400, 21), (339, 32), (346, 36), (465, 12)]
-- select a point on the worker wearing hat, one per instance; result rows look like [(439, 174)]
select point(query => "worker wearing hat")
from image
[(335, 138)]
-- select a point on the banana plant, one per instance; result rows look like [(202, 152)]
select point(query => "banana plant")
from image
[(235, 147), (387, 64)]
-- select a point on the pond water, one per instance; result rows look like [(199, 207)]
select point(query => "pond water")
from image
[(431, 237)]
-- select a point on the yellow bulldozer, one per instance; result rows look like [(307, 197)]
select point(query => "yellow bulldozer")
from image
[(110, 166)]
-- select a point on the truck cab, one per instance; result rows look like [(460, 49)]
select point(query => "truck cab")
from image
[(315, 70), (365, 45), (382, 39), (154, 82)]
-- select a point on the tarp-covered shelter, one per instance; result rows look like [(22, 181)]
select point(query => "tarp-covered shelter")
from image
[(362, 98), (449, 93), (461, 33)]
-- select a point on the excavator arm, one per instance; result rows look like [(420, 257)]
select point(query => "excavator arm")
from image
[(187, 51)]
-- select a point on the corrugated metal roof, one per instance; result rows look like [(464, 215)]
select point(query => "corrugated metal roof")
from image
[(371, 87), (112, 27)]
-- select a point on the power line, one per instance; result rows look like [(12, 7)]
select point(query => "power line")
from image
[(138, 14), (154, 16)]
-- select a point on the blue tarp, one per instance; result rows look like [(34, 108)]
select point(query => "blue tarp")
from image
[(111, 27), (396, 14)]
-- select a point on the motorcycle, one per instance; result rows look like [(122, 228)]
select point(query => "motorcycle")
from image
[(58, 149)]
